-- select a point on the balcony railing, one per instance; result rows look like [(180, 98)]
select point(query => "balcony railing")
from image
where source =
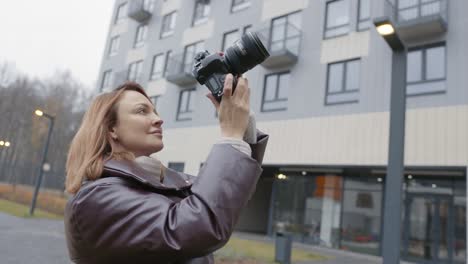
[(283, 41), (179, 70), (418, 18), (140, 10)]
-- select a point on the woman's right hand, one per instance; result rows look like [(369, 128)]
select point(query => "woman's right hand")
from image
[(233, 112)]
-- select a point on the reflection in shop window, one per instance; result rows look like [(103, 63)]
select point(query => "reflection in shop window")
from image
[(364, 200)]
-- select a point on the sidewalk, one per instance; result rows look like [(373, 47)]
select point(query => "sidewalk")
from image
[(335, 256)]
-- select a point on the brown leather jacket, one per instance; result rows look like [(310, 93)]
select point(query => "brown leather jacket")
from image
[(127, 216)]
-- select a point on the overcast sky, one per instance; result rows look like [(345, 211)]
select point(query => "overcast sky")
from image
[(42, 36)]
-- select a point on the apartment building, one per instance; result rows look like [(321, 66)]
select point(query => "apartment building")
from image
[(324, 97)]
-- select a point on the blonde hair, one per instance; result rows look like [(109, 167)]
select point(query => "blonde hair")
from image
[(91, 147)]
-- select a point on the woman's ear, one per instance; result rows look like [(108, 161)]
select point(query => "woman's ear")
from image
[(113, 133)]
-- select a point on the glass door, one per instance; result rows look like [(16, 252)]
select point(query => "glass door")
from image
[(428, 228)]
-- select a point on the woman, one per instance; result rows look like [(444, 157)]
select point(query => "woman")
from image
[(128, 208)]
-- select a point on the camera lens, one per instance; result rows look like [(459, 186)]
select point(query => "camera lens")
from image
[(245, 53)]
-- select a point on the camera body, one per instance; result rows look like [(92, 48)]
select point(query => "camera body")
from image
[(211, 70), (243, 55)]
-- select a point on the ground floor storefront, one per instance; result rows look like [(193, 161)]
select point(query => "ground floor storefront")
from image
[(342, 207)]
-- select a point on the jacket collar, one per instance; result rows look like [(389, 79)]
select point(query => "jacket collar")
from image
[(173, 180)]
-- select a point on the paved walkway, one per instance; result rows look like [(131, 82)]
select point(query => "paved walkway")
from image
[(38, 241), (31, 241)]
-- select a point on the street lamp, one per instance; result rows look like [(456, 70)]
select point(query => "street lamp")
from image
[(44, 156), (4, 143), (395, 168)]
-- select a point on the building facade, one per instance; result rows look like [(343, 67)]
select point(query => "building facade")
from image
[(324, 97)]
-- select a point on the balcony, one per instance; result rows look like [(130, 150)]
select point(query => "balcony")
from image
[(417, 19), (140, 10), (283, 43), (179, 70)]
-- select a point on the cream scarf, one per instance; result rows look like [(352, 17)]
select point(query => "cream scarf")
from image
[(152, 166)]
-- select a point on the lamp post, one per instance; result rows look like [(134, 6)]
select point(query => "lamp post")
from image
[(3, 145), (44, 155), (395, 168)]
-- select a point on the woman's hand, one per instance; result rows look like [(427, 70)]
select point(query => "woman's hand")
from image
[(233, 112)]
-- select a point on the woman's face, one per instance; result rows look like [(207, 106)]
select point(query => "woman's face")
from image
[(138, 127)]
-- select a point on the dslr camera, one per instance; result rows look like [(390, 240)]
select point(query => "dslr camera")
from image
[(243, 55)]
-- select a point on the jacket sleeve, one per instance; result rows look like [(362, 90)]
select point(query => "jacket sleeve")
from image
[(119, 219)]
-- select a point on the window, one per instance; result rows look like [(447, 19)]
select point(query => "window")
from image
[(361, 209), (148, 5), (177, 166), (121, 13), (343, 82), (239, 5), (285, 33), (106, 80), (157, 69), (412, 9), (186, 105), (337, 18), (114, 46), (275, 92), (134, 71), (201, 12), (426, 70), (229, 38), (168, 62), (364, 21), (142, 32), (189, 54), (154, 99), (168, 24)]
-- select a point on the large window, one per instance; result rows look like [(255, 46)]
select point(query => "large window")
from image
[(309, 206), (134, 71), (337, 18), (106, 80), (186, 105), (285, 33), (343, 82), (364, 17), (229, 38), (157, 70), (168, 24), (141, 34), (238, 5), (189, 54), (412, 9), (361, 214), (121, 13), (201, 12), (275, 92), (426, 70), (114, 46)]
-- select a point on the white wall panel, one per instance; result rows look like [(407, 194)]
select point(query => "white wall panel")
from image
[(275, 8), (119, 28), (353, 45), (434, 137), (169, 6), (136, 55), (198, 33), (157, 87)]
